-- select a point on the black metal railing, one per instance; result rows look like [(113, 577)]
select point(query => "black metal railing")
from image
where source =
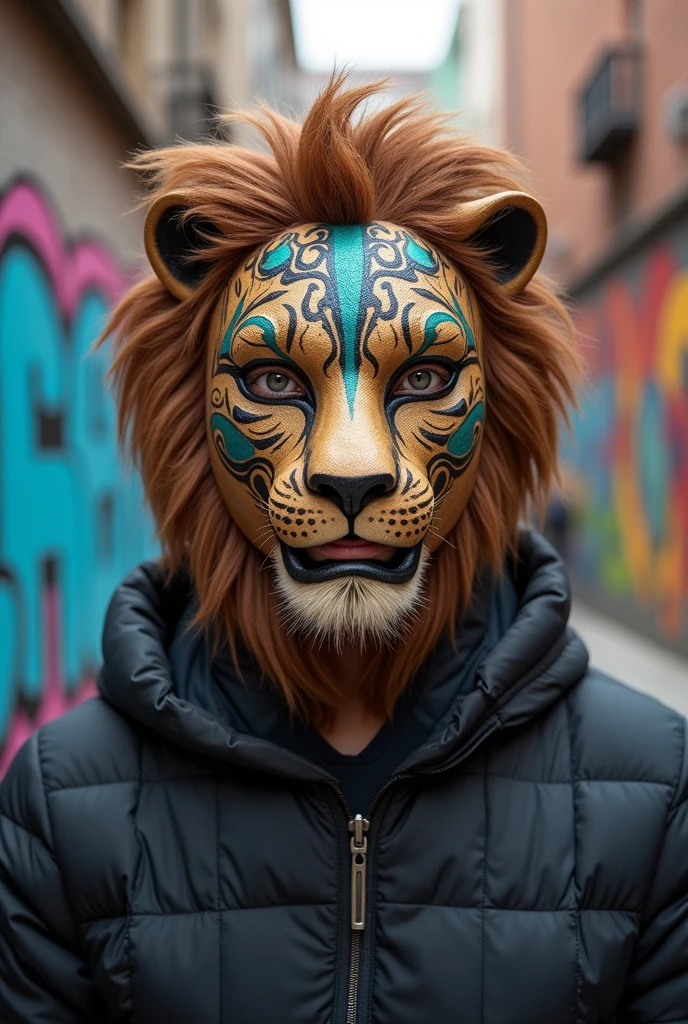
[(609, 105)]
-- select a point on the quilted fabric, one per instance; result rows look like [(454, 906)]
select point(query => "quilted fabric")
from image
[(529, 864)]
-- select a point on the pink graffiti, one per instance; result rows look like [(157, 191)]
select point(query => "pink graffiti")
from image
[(72, 270)]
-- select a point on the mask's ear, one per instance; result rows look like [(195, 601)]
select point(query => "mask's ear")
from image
[(170, 242), (512, 227)]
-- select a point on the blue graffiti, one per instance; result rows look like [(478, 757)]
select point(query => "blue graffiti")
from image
[(68, 512)]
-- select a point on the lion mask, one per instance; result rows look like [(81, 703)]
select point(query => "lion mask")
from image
[(345, 399), (342, 347)]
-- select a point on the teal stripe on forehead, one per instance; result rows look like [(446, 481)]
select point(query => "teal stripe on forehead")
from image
[(348, 263)]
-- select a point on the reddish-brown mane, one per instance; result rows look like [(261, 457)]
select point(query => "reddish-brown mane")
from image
[(400, 164)]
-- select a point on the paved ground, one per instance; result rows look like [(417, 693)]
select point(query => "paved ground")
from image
[(633, 659)]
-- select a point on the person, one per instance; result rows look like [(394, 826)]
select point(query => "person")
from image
[(348, 762)]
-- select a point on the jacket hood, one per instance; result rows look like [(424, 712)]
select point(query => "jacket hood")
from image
[(536, 661)]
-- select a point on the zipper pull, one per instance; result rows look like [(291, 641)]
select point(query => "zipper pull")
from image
[(359, 849)]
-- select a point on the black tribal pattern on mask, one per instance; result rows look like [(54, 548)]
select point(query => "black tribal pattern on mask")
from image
[(344, 302)]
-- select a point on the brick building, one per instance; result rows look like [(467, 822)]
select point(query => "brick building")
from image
[(593, 95), (595, 98)]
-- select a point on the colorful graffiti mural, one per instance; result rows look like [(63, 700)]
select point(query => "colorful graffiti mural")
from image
[(629, 451), (71, 521)]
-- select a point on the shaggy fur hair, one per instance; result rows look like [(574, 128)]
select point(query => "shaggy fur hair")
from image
[(401, 164)]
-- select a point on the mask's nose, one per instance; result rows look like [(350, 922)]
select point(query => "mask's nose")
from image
[(351, 494)]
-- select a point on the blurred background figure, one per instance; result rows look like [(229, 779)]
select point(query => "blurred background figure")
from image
[(593, 96)]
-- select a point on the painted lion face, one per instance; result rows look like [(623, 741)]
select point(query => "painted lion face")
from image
[(345, 406), (345, 399)]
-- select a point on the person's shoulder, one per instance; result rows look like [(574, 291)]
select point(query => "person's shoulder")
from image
[(618, 732), (92, 744)]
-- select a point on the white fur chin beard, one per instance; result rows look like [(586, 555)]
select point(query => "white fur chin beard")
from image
[(351, 610)]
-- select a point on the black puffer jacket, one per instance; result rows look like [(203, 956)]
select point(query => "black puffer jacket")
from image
[(528, 864)]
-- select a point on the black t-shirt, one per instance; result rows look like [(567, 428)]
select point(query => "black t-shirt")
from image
[(360, 776)]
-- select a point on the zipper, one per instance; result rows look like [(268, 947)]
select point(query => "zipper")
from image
[(354, 964), (358, 846), (359, 856)]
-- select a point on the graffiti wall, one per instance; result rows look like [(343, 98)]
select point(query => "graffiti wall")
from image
[(629, 454), (71, 521)]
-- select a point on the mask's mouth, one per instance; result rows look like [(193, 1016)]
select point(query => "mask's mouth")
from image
[(348, 562)]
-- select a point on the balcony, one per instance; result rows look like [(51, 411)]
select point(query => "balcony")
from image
[(609, 105), (191, 98)]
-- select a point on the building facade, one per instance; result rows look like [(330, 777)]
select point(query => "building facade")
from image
[(599, 96), (594, 98), (617, 160), (83, 84)]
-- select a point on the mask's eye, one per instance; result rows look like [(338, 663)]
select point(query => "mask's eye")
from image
[(275, 382), (423, 380)]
